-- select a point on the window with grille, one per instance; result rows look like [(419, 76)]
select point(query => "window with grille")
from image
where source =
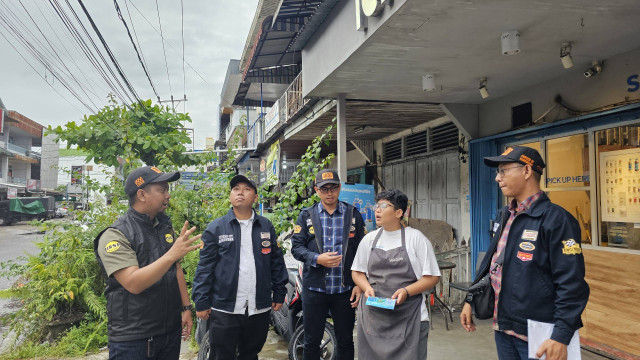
[(393, 150), (443, 136)]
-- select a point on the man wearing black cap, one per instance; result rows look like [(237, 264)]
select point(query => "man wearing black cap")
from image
[(241, 275), (148, 305), (542, 274), (326, 238)]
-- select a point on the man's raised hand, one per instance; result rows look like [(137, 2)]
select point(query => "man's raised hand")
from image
[(182, 246)]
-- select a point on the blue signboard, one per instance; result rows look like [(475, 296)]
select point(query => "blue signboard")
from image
[(362, 196)]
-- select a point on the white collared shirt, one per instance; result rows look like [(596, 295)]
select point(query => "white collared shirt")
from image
[(246, 293)]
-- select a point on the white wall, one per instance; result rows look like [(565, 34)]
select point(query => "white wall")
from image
[(66, 162), (580, 93), (336, 40)]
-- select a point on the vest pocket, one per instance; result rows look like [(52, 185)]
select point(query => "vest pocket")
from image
[(117, 309)]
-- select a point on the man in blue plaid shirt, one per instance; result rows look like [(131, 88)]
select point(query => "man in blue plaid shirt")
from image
[(326, 238)]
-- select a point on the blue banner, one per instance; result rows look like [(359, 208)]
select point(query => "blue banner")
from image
[(362, 197)]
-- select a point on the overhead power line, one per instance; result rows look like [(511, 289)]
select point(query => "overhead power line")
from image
[(146, 71), (106, 47), (163, 50), (168, 43)]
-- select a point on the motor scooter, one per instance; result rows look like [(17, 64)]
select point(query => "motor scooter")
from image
[(288, 321)]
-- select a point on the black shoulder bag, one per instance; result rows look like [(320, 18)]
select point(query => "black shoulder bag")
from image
[(481, 295)]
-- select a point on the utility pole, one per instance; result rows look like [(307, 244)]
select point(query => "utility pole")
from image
[(173, 102)]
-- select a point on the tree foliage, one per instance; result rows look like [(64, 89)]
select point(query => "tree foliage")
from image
[(141, 131)]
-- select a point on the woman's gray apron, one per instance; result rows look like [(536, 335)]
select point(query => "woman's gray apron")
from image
[(389, 334)]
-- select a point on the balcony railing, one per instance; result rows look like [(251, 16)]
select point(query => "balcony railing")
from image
[(17, 149), (255, 133), (295, 101), (30, 184)]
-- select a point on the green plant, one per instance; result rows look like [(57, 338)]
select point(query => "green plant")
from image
[(298, 193), (142, 131)]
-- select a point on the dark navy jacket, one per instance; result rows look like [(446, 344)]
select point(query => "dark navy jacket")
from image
[(305, 246), (543, 270), (216, 280)]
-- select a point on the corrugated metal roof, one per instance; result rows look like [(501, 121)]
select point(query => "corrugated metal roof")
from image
[(265, 8)]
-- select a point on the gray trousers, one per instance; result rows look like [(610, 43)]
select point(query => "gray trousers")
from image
[(424, 335)]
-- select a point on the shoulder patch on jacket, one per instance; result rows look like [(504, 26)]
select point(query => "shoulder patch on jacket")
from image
[(571, 247), (297, 229)]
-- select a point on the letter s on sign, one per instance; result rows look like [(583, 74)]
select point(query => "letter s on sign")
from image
[(633, 82)]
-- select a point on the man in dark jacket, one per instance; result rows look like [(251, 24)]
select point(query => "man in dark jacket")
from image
[(147, 299), (326, 238), (241, 275), (542, 275)]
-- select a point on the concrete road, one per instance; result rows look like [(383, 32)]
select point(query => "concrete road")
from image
[(15, 240)]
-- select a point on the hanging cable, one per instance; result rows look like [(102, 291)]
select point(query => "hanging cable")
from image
[(166, 65), (168, 43), (135, 34), (146, 72), (184, 77), (109, 53)]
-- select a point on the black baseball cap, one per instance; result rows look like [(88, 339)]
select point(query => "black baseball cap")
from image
[(520, 154), (327, 176), (242, 179), (146, 175)]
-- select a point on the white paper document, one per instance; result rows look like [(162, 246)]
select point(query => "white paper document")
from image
[(538, 332)]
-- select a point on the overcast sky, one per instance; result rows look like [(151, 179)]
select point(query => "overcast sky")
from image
[(214, 32)]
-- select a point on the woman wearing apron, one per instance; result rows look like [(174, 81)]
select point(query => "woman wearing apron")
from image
[(394, 262)]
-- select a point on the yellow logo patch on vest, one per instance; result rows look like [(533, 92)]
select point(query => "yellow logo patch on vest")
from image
[(571, 247), (168, 238), (297, 229), (311, 231), (112, 246)]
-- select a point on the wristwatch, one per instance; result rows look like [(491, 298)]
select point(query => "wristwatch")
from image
[(187, 307)]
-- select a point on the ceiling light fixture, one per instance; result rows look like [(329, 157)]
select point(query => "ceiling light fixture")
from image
[(565, 55), (483, 88), (428, 82), (510, 42)]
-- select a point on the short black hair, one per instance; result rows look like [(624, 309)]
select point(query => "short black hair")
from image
[(396, 197)]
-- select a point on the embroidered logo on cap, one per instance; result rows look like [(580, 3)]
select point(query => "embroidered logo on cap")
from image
[(156, 170), (527, 160), (327, 175), (509, 149), (139, 181)]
